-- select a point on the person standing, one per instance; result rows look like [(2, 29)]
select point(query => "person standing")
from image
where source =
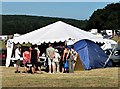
[(34, 59), (26, 59), (50, 53), (17, 57), (38, 59), (56, 61), (73, 54), (65, 59)]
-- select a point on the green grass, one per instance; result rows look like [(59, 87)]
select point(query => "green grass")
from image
[(107, 77)]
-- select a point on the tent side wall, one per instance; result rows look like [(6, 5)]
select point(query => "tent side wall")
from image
[(84, 57), (82, 50), (98, 57)]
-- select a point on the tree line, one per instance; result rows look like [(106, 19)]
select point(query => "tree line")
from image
[(101, 19), (22, 23), (106, 18)]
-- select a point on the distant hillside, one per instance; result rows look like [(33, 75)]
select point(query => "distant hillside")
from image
[(101, 19), (22, 24)]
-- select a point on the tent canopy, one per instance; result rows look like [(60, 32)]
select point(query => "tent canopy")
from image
[(91, 55), (58, 31)]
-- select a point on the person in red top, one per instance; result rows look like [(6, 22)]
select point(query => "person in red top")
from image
[(26, 59)]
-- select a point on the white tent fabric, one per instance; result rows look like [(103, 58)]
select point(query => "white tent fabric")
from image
[(58, 31), (109, 44), (9, 51)]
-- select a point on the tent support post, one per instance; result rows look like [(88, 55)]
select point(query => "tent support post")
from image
[(110, 55)]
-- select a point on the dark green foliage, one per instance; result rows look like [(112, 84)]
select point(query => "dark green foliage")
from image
[(106, 18), (22, 24)]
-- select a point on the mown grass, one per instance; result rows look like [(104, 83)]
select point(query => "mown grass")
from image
[(107, 77)]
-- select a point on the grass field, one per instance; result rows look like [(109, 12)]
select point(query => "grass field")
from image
[(107, 77)]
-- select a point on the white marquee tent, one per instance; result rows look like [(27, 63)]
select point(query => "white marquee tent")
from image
[(58, 31)]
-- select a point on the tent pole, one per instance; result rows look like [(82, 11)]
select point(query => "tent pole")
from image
[(110, 55)]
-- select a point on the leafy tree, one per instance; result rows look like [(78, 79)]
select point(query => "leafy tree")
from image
[(106, 18)]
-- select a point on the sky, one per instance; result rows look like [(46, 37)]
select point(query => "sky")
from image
[(74, 10)]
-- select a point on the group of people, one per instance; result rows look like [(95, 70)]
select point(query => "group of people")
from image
[(30, 59), (55, 60), (65, 60)]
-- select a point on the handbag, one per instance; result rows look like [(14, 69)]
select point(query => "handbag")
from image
[(66, 65)]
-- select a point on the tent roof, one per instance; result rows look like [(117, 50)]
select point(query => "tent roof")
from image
[(55, 32)]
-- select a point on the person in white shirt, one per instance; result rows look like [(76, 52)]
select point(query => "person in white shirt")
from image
[(50, 53), (56, 61), (17, 58)]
